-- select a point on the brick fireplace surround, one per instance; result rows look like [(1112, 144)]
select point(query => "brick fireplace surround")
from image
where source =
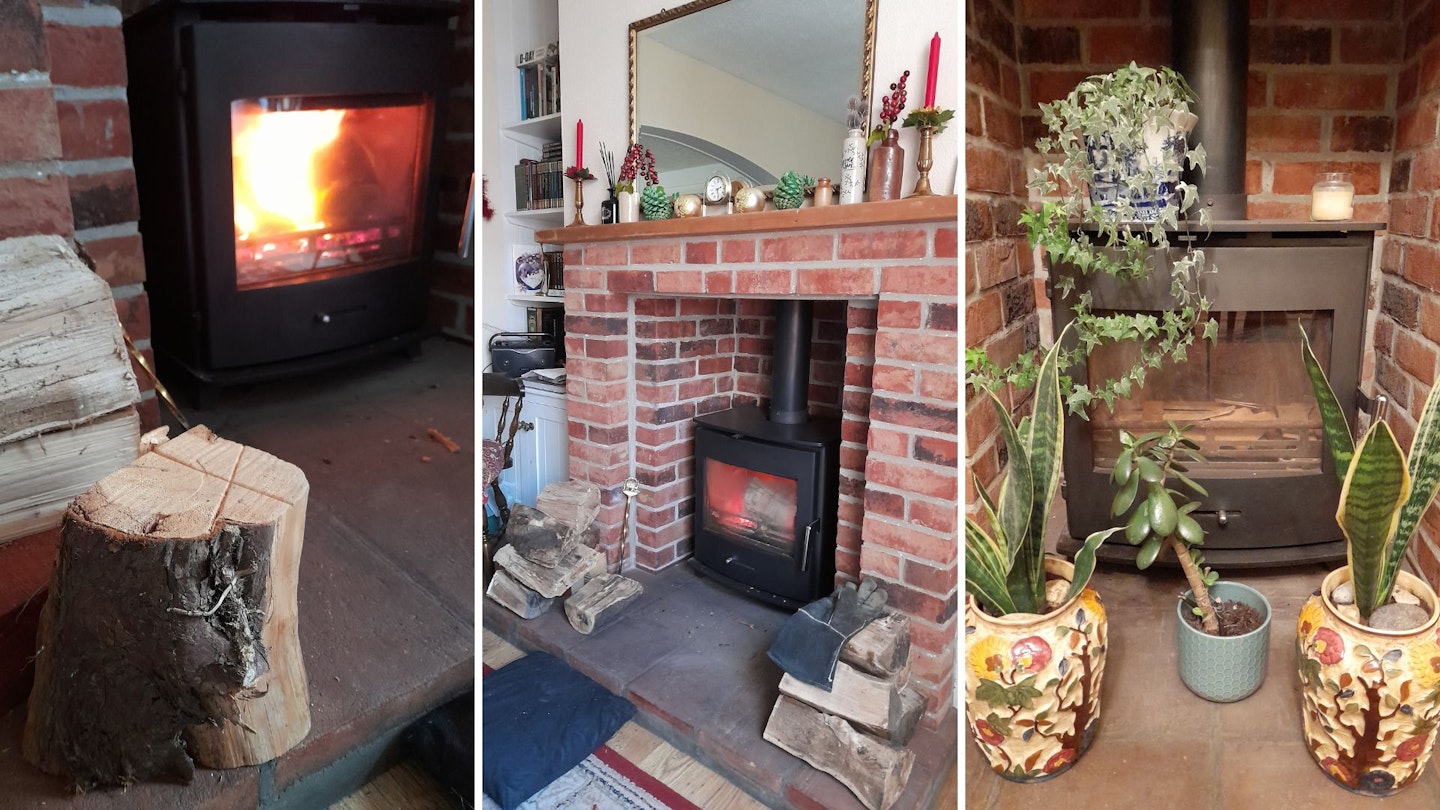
[(668, 320)]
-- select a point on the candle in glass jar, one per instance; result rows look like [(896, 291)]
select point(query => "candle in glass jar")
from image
[(1332, 197)]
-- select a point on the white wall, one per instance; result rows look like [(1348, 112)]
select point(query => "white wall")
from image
[(698, 99), (595, 53)]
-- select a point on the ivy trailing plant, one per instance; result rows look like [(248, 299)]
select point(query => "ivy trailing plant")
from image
[(1112, 195)]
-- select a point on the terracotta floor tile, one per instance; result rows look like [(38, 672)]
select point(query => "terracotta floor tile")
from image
[(1281, 774), (1121, 775)]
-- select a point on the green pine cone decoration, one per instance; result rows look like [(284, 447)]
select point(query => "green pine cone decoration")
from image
[(790, 191), (654, 204)]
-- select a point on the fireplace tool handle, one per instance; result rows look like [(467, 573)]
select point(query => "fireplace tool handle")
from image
[(805, 547)]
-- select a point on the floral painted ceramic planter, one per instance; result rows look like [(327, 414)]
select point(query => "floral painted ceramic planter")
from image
[(1032, 683), (1371, 697)]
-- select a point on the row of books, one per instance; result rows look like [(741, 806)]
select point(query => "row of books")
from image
[(549, 320), (539, 75), (539, 184)]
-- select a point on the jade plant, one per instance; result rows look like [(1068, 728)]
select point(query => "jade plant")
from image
[(1150, 461), (1111, 194), (1383, 494), (1004, 567)]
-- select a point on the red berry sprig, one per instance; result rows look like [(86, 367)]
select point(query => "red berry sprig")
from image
[(891, 106), (639, 162)]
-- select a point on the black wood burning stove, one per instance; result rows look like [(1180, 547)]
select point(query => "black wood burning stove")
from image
[(283, 157), (1273, 492), (767, 487)]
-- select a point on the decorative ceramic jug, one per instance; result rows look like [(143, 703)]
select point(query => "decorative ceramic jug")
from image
[(852, 168), (887, 167)]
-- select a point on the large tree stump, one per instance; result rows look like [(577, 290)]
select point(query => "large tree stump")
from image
[(170, 631)]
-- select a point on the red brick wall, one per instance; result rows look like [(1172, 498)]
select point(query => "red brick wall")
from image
[(1407, 327), (660, 330), (1322, 85), (65, 163), (999, 274), (452, 287)]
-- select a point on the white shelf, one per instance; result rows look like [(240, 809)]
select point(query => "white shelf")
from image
[(544, 129), (538, 219), (532, 298)]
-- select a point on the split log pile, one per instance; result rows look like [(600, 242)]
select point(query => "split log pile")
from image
[(67, 391), (857, 731), (170, 637), (549, 549)]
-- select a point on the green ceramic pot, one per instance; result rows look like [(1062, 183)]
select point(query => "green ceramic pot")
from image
[(1224, 669)]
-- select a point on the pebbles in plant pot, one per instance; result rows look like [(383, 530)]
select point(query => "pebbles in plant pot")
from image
[(1398, 617), (1343, 594)]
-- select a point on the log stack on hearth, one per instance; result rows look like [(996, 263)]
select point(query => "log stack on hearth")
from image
[(549, 549), (67, 392), (858, 729)]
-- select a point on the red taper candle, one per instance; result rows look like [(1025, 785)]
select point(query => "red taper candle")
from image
[(580, 134), (934, 69)]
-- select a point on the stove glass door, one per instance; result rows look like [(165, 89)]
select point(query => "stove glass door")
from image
[(325, 186)]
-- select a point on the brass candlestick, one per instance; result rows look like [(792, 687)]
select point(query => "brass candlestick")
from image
[(923, 164), (579, 200)]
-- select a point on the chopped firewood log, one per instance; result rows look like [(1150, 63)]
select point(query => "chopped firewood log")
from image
[(62, 354), (912, 706), (881, 647), (41, 475), (870, 702), (872, 769), (550, 582), (539, 538), (524, 602), (444, 440), (172, 616), (599, 601), (573, 503), (598, 562), (771, 507)]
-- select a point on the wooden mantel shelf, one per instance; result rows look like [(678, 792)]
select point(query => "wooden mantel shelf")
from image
[(857, 215)]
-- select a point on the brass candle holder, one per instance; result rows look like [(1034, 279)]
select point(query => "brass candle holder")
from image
[(923, 163), (579, 182)]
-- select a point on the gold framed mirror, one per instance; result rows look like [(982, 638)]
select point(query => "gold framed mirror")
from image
[(749, 88)]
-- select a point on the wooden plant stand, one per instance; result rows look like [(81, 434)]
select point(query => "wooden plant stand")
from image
[(171, 630)]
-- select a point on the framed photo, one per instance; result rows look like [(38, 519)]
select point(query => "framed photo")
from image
[(529, 268)]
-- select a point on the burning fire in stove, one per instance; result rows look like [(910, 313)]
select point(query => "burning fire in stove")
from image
[(321, 187), (275, 185)]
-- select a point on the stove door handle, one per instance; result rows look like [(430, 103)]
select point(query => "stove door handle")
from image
[(805, 549)]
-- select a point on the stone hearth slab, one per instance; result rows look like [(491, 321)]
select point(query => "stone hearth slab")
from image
[(691, 654)]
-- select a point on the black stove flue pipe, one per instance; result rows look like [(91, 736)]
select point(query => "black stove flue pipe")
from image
[(1210, 46), (790, 376)]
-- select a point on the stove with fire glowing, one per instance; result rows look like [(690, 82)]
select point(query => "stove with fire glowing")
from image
[(283, 154)]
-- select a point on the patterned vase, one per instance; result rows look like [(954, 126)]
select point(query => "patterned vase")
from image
[(852, 168), (1032, 683), (1371, 697)]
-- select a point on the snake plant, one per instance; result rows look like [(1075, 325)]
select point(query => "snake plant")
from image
[(1383, 494), (1004, 568)]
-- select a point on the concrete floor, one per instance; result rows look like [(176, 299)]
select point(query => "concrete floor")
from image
[(1161, 746), (386, 576), (690, 654)]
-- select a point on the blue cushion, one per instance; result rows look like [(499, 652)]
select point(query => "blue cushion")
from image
[(540, 718)]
